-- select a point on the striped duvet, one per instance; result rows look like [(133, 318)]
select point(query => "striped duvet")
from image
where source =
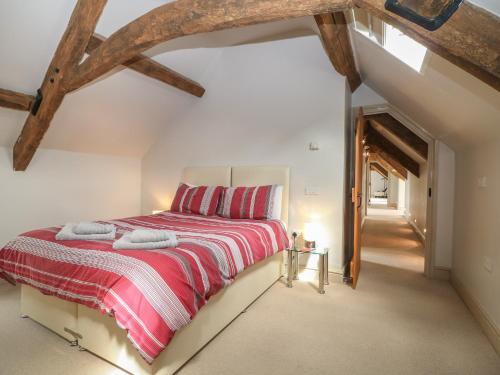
[(150, 293)]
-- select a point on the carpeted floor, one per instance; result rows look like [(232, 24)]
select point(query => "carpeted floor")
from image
[(396, 322)]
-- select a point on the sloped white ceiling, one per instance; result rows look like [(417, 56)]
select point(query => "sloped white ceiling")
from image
[(451, 104), (492, 6)]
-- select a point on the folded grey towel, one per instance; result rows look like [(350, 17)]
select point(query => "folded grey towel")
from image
[(67, 233), (151, 235), (92, 228), (125, 243)]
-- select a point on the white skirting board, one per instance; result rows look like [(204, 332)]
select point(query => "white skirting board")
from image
[(101, 335), (491, 330), (416, 229)]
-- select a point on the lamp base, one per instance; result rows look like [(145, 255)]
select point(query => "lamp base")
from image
[(310, 244)]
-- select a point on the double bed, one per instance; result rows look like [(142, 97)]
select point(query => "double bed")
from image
[(148, 312)]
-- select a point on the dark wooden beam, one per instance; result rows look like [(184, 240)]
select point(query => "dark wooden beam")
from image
[(402, 132), (378, 168), (390, 152), (15, 100), (335, 37), (469, 39), (154, 69), (392, 166), (69, 53), (189, 17)]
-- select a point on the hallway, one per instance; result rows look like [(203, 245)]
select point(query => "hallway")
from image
[(389, 240)]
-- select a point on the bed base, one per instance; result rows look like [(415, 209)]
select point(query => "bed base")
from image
[(99, 334)]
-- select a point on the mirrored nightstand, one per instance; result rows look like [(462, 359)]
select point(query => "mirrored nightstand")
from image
[(293, 266)]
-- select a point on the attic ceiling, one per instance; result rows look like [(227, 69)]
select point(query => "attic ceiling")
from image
[(123, 113)]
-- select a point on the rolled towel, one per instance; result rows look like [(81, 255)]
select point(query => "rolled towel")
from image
[(125, 243), (67, 234), (151, 235), (92, 228)]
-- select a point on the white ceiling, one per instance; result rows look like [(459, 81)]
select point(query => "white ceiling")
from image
[(124, 112), (452, 105)]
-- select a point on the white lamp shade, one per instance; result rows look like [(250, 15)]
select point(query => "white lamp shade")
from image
[(311, 231)]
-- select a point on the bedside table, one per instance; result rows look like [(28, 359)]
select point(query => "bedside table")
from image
[(293, 266)]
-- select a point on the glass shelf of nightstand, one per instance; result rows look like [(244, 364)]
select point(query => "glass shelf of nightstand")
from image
[(306, 250)]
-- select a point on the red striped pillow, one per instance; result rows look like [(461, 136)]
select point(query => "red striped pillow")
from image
[(202, 200), (256, 202)]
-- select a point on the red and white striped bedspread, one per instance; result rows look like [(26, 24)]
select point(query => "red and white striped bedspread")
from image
[(151, 293)]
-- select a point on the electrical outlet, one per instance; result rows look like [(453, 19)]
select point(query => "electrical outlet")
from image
[(488, 264)]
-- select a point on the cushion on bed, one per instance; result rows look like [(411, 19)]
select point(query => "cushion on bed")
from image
[(256, 202), (201, 200)]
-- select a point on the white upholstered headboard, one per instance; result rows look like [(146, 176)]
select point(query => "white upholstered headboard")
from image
[(207, 176), (242, 176)]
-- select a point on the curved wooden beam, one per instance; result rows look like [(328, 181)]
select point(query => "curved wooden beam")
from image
[(68, 54), (188, 17), (153, 69)]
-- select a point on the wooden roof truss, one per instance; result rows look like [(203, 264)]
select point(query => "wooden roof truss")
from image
[(470, 40)]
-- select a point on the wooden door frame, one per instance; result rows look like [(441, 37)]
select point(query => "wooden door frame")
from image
[(430, 235)]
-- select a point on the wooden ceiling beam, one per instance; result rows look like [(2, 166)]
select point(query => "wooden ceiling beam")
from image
[(189, 17), (378, 168), (392, 166), (154, 69), (381, 145), (469, 39), (337, 44), (402, 132), (68, 54), (15, 100)]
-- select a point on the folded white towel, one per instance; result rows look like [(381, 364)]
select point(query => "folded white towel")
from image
[(67, 233), (151, 235), (92, 228), (125, 243)]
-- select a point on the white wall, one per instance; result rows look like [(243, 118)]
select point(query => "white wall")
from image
[(377, 182), (264, 104), (444, 202), (477, 229), (61, 186), (401, 196), (392, 190), (417, 205), (365, 96)]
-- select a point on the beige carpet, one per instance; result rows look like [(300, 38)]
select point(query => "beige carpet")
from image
[(396, 322)]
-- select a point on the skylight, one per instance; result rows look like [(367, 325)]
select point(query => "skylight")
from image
[(391, 39)]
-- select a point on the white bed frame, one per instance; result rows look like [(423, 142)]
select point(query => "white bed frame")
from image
[(100, 334)]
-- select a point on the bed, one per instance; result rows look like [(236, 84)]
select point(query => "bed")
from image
[(84, 321)]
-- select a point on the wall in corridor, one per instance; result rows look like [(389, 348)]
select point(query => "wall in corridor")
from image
[(377, 181), (444, 202), (392, 190), (477, 231), (416, 205)]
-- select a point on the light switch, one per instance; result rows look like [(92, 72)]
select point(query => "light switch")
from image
[(312, 190), (314, 146)]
